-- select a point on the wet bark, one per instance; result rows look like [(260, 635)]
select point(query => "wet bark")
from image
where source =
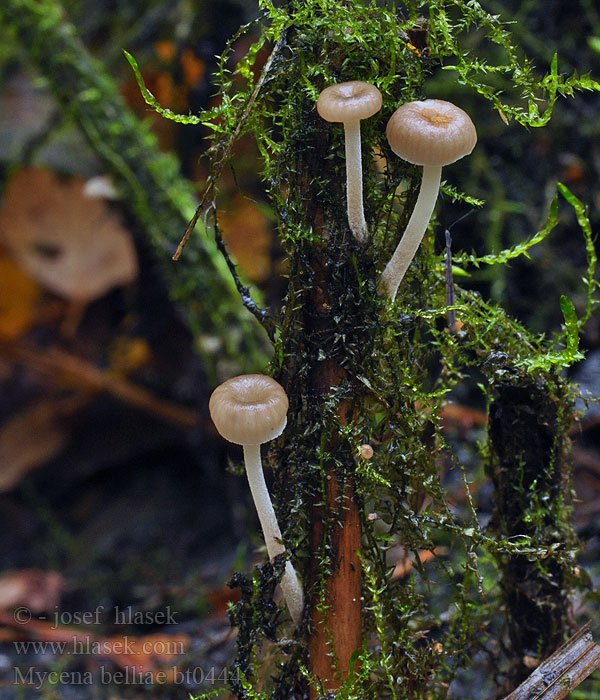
[(528, 476)]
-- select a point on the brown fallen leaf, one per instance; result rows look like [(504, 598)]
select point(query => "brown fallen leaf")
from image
[(463, 416), (35, 589), (246, 232), (146, 653), (18, 297), (42, 630), (406, 564), (73, 245), (220, 599), (29, 439)]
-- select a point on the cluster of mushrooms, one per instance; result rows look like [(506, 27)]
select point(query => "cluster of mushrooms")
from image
[(252, 409)]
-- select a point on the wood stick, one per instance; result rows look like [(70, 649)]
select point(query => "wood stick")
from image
[(58, 365), (562, 672)]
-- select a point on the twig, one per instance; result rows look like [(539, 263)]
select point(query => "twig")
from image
[(262, 315), (563, 671), (218, 167), (56, 364), (450, 284)]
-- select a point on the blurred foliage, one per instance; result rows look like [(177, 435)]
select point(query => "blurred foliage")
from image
[(158, 197)]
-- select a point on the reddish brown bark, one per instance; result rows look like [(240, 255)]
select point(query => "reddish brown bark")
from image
[(335, 634)]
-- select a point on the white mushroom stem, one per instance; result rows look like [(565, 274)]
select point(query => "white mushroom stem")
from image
[(290, 583), (415, 230), (354, 184)]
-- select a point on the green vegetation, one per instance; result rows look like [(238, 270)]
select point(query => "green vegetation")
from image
[(399, 362), (359, 369)]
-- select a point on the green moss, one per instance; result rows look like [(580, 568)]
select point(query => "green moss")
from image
[(391, 365)]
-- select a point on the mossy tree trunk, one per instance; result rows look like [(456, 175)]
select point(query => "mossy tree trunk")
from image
[(320, 297), (335, 632), (531, 476), (359, 368)]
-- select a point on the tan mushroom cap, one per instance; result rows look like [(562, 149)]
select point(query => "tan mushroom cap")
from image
[(350, 101), (249, 409), (431, 132)]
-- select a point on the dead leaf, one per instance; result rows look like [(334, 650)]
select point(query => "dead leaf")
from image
[(194, 68), (406, 564), (246, 232), (42, 630), (18, 297), (166, 50), (35, 589), (147, 653), (221, 598), (73, 245), (463, 416), (27, 440)]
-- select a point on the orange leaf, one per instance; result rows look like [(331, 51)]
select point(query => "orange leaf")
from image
[(37, 590), (405, 565), (246, 232), (146, 653), (18, 297)]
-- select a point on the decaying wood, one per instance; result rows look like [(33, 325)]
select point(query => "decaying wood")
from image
[(529, 458), (563, 671)]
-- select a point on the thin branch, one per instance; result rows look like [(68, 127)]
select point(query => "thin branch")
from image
[(59, 366), (262, 315), (450, 297), (218, 167), (563, 671)]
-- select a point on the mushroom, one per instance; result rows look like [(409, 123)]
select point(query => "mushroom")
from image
[(249, 410), (431, 133), (349, 103)]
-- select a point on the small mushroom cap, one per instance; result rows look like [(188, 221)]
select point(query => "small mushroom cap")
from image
[(431, 132), (350, 101), (249, 409)]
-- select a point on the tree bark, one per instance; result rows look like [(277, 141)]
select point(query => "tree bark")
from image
[(336, 625)]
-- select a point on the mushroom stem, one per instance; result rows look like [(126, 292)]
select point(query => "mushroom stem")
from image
[(290, 583), (415, 230), (354, 185)]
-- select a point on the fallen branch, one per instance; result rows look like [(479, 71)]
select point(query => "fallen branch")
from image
[(57, 365), (563, 671), (153, 190)]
